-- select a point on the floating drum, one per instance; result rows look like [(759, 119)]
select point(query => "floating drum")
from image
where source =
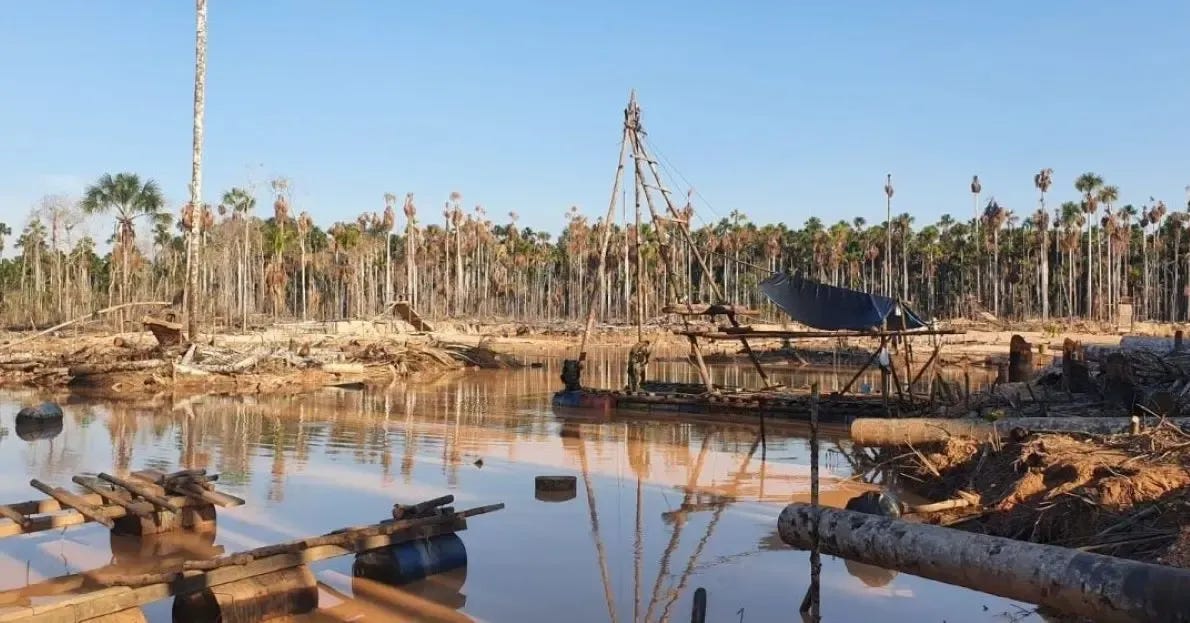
[(555, 488), (444, 589), (41, 422), (403, 563), (262, 598), (880, 503), (30, 429)]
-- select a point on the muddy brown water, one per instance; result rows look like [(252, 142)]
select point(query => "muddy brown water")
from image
[(314, 463)]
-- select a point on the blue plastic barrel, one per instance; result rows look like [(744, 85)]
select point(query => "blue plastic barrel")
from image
[(413, 560)]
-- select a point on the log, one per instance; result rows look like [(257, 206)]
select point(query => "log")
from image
[(703, 309), (88, 369), (1082, 584), (14, 516), (106, 310), (343, 368), (74, 502), (891, 432), (143, 492), (112, 496)]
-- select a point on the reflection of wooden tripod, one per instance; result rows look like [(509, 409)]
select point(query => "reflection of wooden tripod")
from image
[(678, 518)]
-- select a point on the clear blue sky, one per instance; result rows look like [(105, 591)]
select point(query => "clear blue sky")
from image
[(781, 109)]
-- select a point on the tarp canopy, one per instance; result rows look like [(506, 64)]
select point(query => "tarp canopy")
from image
[(832, 308)]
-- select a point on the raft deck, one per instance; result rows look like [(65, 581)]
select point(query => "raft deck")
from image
[(783, 404)]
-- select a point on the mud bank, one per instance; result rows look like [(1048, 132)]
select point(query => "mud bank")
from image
[(136, 365)]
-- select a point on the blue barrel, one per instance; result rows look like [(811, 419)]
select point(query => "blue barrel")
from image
[(413, 560)]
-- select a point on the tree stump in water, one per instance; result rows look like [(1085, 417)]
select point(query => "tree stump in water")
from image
[(166, 332), (1020, 360), (1076, 377)]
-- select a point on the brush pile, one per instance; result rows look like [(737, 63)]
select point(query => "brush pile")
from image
[(1108, 383), (1124, 495)]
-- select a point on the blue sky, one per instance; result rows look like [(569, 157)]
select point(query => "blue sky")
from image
[(781, 109)]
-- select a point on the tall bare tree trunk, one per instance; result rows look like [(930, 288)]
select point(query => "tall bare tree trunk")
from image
[(1045, 267), (200, 83)]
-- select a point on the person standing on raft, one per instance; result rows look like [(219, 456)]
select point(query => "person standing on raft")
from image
[(638, 360)]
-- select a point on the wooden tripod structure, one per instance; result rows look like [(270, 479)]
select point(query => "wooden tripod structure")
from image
[(669, 224)]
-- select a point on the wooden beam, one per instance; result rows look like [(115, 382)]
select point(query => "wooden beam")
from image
[(704, 309), (731, 333)]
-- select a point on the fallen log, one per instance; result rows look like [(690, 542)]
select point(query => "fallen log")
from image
[(1102, 588), (888, 432), (88, 369), (106, 310)]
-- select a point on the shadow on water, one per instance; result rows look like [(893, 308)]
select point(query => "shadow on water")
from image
[(663, 507)]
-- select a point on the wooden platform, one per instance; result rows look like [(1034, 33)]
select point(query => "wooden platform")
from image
[(118, 593)]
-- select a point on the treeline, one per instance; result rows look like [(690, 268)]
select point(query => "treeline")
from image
[(1074, 257)]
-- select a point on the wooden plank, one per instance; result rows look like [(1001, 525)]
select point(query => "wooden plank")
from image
[(192, 490), (67, 498)]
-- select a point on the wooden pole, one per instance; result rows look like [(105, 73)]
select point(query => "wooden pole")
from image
[(606, 236), (812, 603), (1102, 588), (864, 368), (143, 492), (110, 495)]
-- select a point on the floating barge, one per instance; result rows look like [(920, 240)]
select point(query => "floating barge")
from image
[(831, 311), (780, 404)]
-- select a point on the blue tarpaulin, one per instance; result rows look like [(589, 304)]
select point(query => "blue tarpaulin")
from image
[(832, 308)]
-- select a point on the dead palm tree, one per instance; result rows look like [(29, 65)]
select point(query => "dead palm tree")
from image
[(1042, 181), (976, 188), (888, 194), (410, 249), (200, 81)]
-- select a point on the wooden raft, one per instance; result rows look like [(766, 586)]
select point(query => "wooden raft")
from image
[(141, 494), (124, 591)]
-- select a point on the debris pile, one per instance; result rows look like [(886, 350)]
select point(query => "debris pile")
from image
[(1123, 495)]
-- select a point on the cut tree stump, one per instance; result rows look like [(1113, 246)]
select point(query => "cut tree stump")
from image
[(406, 312), (167, 333)]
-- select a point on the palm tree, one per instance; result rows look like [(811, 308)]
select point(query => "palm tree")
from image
[(130, 199), (200, 82), (240, 202), (304, 224), (1042, 181), (888, 194), (995, 216), (1089, 184), (1106, 196)]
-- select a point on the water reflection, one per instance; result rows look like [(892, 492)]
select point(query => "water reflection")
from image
[(665, 506)]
